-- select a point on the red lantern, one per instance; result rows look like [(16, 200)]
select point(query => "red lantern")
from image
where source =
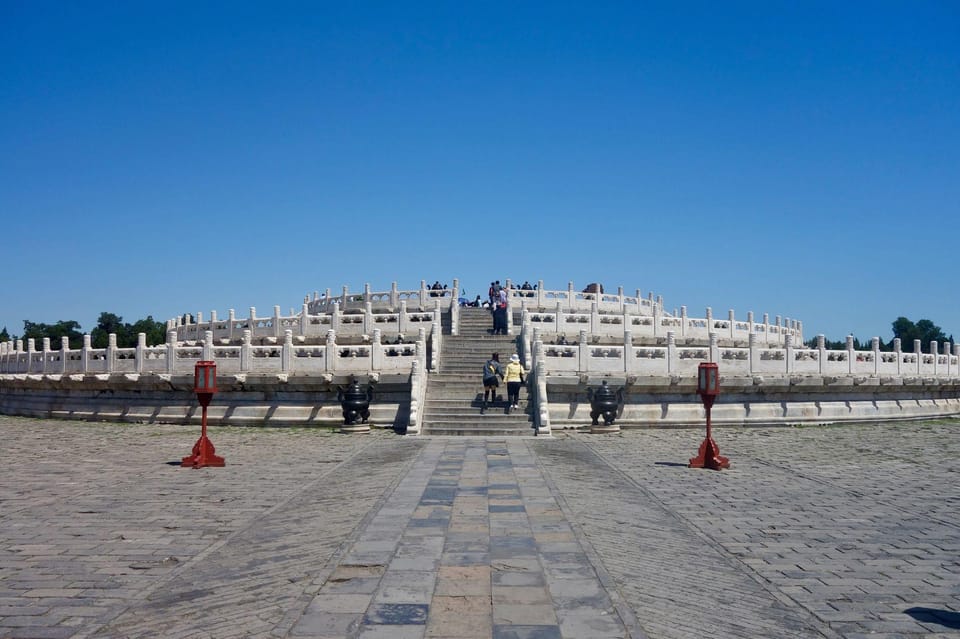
[(708, 387), (205, 386)]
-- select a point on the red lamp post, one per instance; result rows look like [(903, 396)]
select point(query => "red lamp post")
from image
[(708, 387), (204, 385)]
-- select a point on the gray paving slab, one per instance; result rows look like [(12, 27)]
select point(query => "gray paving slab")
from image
[(815, 532)]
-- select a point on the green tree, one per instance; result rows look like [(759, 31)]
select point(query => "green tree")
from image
[(156, 331), (4, 335), (107, 323), (69, 329), (924, 330)]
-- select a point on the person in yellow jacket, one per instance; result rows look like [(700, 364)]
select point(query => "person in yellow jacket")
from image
[(513, 376)]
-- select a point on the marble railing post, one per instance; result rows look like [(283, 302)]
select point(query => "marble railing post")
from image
[(208, 346), (304, 320), (683, 321), (111, 351), (336, 317), (171, 351), (344, 292), (376, 350), (571, 294), (750, 322), (64, 353), (875, 347), (252, 324), (714, 347), (368, 323), (709, 320), (366, 292), (541, 300), (800, 331), (276, 322), (86, 348), (424, 295), (627, 350), (403, 320), (231, 319), (559, 325), (766, 328), (934, 351), (897, 348), (45, 354), (583, 349), (779, 331), (330, 356), (394, 297), (788, 354), (672, 355), (31, 349), (731, 322), (286, 353), (620, 297), (850, 354), (754, 353), (246, 350), (918, 353), (821, 351), (595, 316), (141, 352), (657, 320)]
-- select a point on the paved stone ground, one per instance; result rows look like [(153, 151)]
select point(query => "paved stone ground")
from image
[(849, 532)]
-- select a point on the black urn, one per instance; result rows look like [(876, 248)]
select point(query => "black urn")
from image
[(355, 402), (604, 401)]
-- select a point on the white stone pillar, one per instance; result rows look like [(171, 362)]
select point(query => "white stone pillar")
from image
[(304, 320), (45, 355), (376, 351), (232, 320), (672, 355), (64, 353), (571, 296), (595, 317), (714, 348), (111, 351), (394, 297), (208, 346), (330, 352), (86, 348), (822, 351), (683, 321), (918, 352), (402, 321), (583, 351), (336, 317), (141, 351), (850, 354), (898, 350), (628, 358), (246, 351), (788, 354), (875, 347), (754, 353), (935, 352), (171, 351), (286, 353), (731, 322)]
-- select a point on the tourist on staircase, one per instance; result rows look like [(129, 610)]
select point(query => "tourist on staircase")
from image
[(492, 374), (514, 378)]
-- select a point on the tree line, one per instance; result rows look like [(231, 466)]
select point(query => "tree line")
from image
[(107, 323), (904, 329)]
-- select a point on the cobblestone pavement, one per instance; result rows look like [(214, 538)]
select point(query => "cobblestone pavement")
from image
[(816, 532)]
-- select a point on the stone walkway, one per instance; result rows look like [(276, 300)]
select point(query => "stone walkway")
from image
[(818, 532)]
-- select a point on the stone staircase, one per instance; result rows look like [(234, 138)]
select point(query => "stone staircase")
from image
[(455, 392)]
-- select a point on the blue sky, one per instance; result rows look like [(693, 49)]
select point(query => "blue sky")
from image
[(800, 159)]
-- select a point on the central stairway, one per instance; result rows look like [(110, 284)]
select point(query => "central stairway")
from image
[(455, 392)]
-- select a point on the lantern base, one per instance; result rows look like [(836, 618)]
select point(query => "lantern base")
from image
[(203, 455), (709, 456), (603, 429)]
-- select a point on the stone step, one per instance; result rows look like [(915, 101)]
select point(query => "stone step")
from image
[(477, 430)]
